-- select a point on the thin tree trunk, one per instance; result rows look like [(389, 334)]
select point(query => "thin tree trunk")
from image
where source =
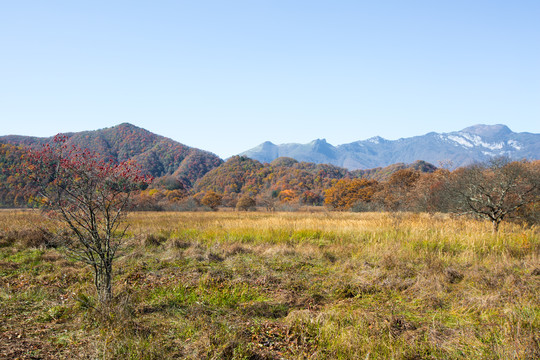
[(104, 285), (496, 224)]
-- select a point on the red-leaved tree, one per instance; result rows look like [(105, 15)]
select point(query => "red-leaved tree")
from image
[(91, 195)]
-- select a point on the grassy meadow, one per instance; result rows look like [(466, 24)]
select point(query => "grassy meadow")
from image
[(322, 285)]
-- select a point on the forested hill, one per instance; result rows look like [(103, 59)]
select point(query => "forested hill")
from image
[(157, 155), (286, 179), (384, 173)]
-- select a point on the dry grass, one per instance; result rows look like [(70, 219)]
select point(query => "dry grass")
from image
[(319, 285)]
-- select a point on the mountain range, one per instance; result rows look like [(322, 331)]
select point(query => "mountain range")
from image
[(161, 156), (272, 171), (454, 149)]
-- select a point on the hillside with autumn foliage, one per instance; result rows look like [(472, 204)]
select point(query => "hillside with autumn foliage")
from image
[(384, 173), (14, 189), (157, 155), (286, 181), (183, 173)]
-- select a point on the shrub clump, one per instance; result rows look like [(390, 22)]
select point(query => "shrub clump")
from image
[(154, 240), (35, 238), (245, 203)]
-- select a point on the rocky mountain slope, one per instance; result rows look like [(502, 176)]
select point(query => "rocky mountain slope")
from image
[(458, 148)]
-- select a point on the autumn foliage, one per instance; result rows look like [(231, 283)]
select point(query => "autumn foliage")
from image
[(345, 193), (284, 181), (212, 200), (91, 196), (155, 155), (186, 180), (15, 190), (245, 203)]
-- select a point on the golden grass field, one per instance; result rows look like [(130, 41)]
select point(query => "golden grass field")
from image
[(324, 285)]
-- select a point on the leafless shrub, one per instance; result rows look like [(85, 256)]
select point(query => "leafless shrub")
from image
[(180, 244)]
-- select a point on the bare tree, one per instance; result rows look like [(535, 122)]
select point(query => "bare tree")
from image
[(396, 193), (495, 190), (91, 196), (267, 201), (428, 192)]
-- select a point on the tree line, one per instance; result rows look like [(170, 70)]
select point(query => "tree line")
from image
[(498, 190)]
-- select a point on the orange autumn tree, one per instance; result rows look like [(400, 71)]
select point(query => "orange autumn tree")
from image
[(212, 200), (287, 195), (345, 193)]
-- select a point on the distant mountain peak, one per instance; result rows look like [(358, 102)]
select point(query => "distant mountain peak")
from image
[(376, 139), (488, 130), (320, 145), (125, 125)]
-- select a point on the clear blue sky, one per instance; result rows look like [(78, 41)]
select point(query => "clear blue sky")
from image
[(227, 75)]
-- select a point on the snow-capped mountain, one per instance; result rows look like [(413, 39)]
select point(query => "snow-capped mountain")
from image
[(455, 149)]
